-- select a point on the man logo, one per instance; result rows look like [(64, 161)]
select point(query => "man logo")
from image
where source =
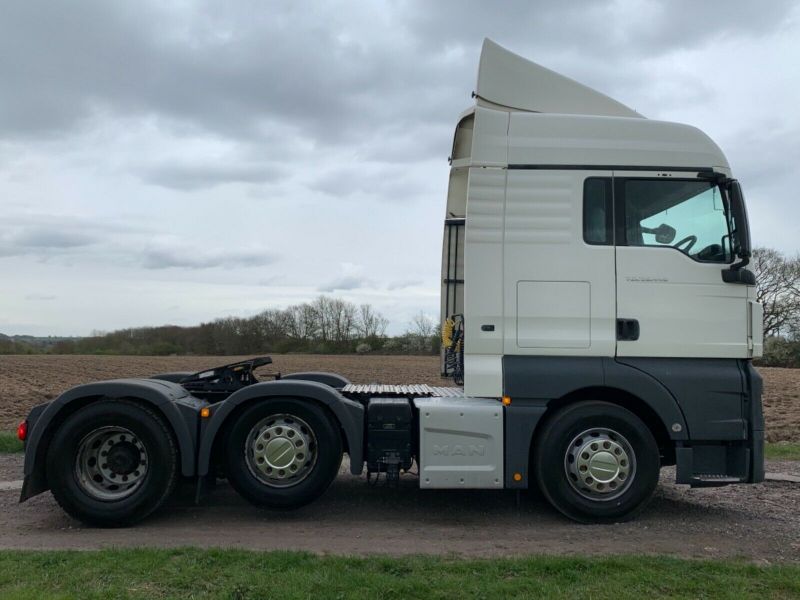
[(459, 450)]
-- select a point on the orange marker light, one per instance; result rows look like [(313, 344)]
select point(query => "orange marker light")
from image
[(205, 412), (517, 476), (506, 400)]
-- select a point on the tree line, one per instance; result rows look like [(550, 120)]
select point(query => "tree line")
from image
[(333, 325), (326, 325)]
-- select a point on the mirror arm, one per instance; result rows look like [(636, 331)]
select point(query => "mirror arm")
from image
[(741, 264)]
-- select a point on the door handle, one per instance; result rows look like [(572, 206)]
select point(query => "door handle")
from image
[(627, 330), (487, 327)]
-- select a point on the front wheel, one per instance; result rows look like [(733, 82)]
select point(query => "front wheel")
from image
[(282, 453), (596, 462)]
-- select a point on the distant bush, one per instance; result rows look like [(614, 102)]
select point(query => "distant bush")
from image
[(391, 345), (411, 343), (780, 352), (363, 348), (165, 349)]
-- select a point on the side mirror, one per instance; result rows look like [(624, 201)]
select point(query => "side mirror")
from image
[(664, 233), (741, 226), (741, 237)]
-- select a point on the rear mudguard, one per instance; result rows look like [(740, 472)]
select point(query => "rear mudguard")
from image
[(174, 377), (333, 380), (180, 410), (349, 414)]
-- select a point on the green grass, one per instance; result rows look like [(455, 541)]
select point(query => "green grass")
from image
[(782, 451), (236, 574), (9, 442)]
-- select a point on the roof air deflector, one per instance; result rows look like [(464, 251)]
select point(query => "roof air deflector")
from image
[(515, 83)]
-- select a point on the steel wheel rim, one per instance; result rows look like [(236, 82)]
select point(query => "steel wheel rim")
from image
[(281, 450), (111, 463), (600, 464)]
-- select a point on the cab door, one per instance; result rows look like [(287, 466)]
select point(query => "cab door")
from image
[(672, 234), (558, 263)]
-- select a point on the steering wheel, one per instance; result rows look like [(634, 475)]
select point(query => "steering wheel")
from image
[(689, 240)]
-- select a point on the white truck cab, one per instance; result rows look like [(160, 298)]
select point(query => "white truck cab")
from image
[(560, 193), (594, 254)]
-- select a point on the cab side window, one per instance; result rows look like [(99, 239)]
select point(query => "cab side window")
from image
[(686, 215), (598, 220)]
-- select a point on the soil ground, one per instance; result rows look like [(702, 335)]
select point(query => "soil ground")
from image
[(26, 381), (29, 380), (754, 522)]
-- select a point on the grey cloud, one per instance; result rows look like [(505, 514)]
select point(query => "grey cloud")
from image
[(271, 281), (43, 297), (42, 237), (602, 44), (759, 163), (102, 56), (400, 285), (604, 27), (44, 240), (348, 180), (245, 75), (194, 258), (381, 181), (344, 283), (685, 23), (40, 226), (190, 177), (47, 235)]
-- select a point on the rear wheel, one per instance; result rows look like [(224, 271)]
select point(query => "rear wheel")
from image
[(282, 454), (112, 463), (596, 462)]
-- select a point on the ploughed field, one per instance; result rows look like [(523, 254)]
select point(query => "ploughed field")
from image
[(26, 381), (29, 380)]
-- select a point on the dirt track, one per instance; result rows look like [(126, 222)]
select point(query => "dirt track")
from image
[(29, 380), (758, 522)]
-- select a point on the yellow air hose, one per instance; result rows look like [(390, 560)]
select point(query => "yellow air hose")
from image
[(447, 332)]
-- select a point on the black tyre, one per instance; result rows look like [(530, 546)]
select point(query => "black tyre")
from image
[(282, 454), (596, 462), (112, 463)]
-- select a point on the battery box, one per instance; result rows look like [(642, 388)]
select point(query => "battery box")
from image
[(389, 435)]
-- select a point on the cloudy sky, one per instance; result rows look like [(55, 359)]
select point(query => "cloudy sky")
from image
[(174, 162)]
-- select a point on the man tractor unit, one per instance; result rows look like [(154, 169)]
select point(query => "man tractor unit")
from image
[(599, 318)]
